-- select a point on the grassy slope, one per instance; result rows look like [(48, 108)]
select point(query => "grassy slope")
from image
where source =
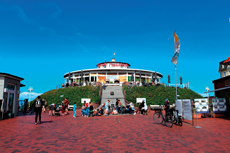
[(157, 94), (74, 94)]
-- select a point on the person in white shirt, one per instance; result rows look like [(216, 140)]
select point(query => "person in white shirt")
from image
[(114, 112), (144, 108), (107, 107), (132, 108)]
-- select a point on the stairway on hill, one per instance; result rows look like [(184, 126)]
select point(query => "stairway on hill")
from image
[(118, 93)]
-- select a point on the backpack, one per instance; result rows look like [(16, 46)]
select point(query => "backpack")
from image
[(38, 103)]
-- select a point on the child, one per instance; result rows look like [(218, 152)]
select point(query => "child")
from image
[(52, 110), (74, 109), (114, 112)]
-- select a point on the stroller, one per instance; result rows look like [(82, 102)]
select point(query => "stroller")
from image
[(57, 109)]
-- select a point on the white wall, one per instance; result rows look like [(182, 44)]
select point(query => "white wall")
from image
[(1, 87)]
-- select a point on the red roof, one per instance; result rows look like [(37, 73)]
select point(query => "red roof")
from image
[(227, 60)]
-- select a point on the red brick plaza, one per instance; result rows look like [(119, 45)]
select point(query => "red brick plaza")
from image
[(126, 133)]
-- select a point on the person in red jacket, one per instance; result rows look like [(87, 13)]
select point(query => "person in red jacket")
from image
[(67, 104), (63, 107)]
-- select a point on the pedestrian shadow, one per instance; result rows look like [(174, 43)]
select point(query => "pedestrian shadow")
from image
[(157, 123), (46, 121), (78, 116)]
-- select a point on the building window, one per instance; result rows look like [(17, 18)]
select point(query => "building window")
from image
[(229, 72), (224, 74), (10, 86), (222, 66)]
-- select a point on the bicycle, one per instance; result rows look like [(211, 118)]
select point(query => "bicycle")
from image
[(159, 117), (176, 118)]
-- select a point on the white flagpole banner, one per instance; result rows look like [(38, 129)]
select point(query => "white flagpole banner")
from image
[(187, 109), (177, 49), (179, 106)]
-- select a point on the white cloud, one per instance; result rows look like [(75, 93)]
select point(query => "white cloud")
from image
[(25, 95)]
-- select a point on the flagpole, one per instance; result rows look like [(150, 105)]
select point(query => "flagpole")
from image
[(175, 67), (176, 82)]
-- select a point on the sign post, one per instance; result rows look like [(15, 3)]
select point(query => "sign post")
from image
[(198, 127)]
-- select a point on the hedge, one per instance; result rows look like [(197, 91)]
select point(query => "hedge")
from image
[(156, 95)]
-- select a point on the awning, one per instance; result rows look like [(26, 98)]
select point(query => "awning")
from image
[(218, 89), (22, 85)]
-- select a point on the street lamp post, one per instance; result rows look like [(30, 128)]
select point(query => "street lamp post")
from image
[(207, 89), (30, 89)]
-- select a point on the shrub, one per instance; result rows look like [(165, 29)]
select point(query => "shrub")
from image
[(156, 95), (73, 94)]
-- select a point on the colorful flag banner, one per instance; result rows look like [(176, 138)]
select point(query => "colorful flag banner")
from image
[(177, 49)]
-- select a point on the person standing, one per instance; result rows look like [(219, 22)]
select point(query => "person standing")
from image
[(87, 109), (74, 109), (139, 108), (107, 107), (63, 107), (166, 106), (46, 104), (83, 109), (38, 109), (43, 106), (117, 107), (66, 105)]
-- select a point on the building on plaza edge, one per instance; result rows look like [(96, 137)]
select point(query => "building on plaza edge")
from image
[(222, 85), (113, 72), (9, 94)]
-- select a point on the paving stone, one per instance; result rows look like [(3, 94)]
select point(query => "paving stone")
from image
[(134, 133)]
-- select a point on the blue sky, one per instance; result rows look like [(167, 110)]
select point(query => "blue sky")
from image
[(42, 40)]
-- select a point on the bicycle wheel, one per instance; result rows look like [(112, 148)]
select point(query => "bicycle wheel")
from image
[(174, 120), (158, 117), (180, 122), (168, 120)]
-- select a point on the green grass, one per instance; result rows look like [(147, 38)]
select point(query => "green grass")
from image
[(156, 95), (73, 94)]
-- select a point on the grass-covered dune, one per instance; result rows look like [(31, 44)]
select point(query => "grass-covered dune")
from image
[(74, 94), (156, 95)]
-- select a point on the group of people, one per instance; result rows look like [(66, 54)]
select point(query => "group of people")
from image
[(73, 84), (55, 107), (87, 108), (41, 105), (142, 107)]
